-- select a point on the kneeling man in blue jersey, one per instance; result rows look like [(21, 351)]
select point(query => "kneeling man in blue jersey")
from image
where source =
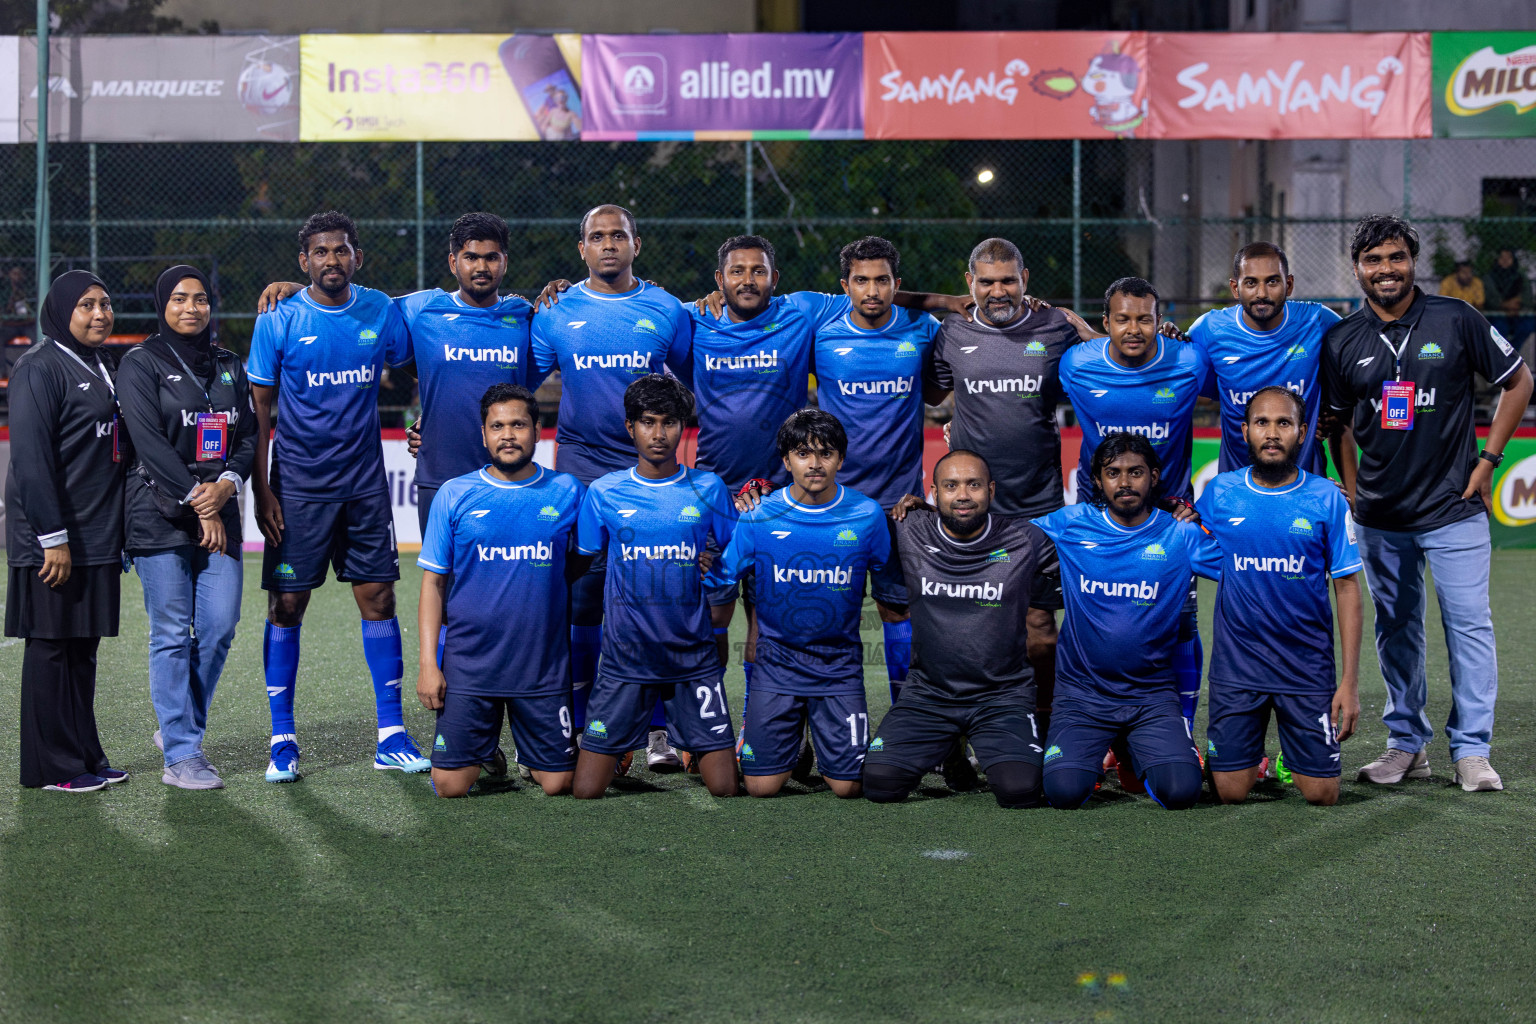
[(655, 519), (497, 576), (325, 500), (810, 545), (1283, 533), (1125, 569)]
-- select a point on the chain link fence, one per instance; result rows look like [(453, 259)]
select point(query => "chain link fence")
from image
[(1083, 213)]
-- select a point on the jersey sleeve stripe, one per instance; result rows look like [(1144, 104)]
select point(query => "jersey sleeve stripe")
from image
[(1515, 366), (1348, 570), (426, 564), (257, 378)]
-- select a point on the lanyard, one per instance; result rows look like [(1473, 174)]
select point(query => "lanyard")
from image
[(104, 375), (193, 377), (1397, 353)]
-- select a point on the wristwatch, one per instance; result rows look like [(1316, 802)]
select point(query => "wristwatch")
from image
[(1494, 457)]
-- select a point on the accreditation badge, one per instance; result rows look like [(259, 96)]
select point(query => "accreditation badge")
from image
[(212, 435), (1397, 404)]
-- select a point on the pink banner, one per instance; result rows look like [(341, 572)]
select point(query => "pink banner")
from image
[(1290, 85)]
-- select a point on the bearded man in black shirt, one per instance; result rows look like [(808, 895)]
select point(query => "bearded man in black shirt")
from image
[(973, 577), (1402, 370)]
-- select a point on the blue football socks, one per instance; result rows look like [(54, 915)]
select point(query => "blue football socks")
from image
[(381, 649), (898, 653), (1188, 662), (280, 659)]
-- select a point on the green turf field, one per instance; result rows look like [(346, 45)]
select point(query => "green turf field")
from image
[(353, 895)]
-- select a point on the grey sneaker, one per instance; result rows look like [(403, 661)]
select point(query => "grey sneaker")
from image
[(193, 773), (159, 741), (659, 755), (1476, 775), (1394, 766)]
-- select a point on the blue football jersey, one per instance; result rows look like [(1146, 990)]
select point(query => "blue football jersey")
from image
[(872, 382), (810, 563), (461, 350), (1156, 400), (747, 378), (325, 362), (600, 344), (1245, 360), (1124, 591), (503, 545), (656, 625), (1280, 547)]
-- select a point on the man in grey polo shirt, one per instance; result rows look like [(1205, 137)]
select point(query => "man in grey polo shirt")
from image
[(1404, 366)]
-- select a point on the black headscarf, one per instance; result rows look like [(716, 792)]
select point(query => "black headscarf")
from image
[(59, 308), (197, 350)]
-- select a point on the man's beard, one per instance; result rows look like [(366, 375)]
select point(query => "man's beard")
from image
[(511, 465), (1274, 472), (960, 527), (1000, 316)]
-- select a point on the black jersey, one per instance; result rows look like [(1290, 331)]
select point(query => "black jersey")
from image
[(1006, 389), (161, 399), (1412, 480), (66, 474), (969, 603)]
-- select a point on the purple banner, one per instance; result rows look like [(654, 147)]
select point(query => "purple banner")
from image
[(735, 86)]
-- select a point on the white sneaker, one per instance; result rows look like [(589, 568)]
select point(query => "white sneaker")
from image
[(1476, 775), (1394, 766), (659, 755)]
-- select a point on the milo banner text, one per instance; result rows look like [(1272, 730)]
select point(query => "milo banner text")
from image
[(1485, 84)]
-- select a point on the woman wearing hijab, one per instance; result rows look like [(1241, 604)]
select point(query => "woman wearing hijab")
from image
[(187, 406), (64, 533)]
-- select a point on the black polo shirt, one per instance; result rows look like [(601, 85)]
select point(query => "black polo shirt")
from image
[(1412, 480)]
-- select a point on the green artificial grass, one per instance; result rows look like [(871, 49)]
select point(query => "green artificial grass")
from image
[(355, 895)]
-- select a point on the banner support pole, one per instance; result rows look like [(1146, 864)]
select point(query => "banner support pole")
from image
[(751, 218), (1077, 225), (421, 225), (40, 214), (95, 248), (1407, 178)]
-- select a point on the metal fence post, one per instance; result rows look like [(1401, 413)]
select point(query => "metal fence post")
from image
[(1077, 224), (44, 257), (1407, 179), (421, 225), (94, 247), (751, 218)]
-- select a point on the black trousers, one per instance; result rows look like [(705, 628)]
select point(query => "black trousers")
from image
[(58, 715)]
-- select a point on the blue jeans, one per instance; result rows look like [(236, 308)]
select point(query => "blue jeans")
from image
[(1459, 556), (193, 600)]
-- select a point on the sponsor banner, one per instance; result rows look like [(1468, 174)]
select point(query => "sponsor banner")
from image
[(10, 91), (162, 88), (738, 86), (441, 87), (1290, 85), (399, 471), (1484, 84), (1005, 85)]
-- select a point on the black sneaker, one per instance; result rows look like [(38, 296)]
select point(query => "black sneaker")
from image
[(86, 783), (959, 772)]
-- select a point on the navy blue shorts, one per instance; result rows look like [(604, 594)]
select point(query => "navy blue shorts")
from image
[(1234, 738), (1189, 618), (773, 723), (424, 496), (356, 537), (619, 715), (469, 727), (917, 734), (1081, 734)]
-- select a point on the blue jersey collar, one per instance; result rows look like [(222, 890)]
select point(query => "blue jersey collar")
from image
[(678, 477), (814, 509), (312, 304), (1285, 318), (1144, 367), (1130, 530), (511, 485), (1301, 478), (640, 287)]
